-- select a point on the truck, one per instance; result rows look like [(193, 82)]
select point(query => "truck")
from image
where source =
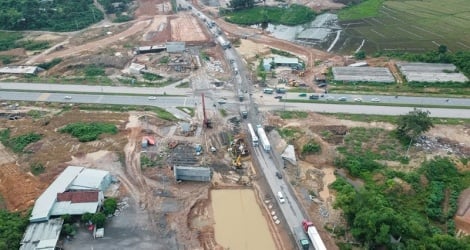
[(302, 239), (241, 96), (254, 137), (243, 112), (264, 139), (268, 91), (313, 235), (223, 42)]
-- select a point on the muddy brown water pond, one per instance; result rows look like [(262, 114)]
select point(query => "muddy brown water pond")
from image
[(239, 222)]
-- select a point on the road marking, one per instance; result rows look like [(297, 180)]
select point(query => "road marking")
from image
[(44, 97)]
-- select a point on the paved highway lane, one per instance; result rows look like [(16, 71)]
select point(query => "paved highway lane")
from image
[(160, 101), (412, 100), (291, 211), (361, 109)]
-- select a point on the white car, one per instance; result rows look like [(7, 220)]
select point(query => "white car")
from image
[(358, 99), (330, 98), (221, 101), (67, 97), (152, 98), (375, 100)]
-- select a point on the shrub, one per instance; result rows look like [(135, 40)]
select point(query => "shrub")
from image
[(37, 168), (152, 77), (311, 148), (20, 142), (109, 206), (94, 70), (50, 64), (98, 219), (86, 132)]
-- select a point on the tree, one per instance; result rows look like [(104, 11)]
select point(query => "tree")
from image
[(86, 217), (98, 219), (361, 54), (442, 49), (69, 230), (413, 124), (241, 4), (109, 206)]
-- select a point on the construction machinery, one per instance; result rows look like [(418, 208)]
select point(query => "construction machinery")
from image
[(207, 122), (237, 162)]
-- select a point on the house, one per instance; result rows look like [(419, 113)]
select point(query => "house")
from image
[(72, 179), (281, 61), (76, 191)]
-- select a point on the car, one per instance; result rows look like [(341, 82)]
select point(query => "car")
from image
[(278, 97), (375, 100), (330, 98), (279, 175), (67, 97), (322, 85), (314, 97), (221, 101), (343, 99), (303, 95), (358, 99), (152, 98)]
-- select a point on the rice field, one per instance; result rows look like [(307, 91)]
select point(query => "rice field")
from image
[(412, 26)]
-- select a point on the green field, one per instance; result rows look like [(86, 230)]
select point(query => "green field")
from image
[(413, 26), (293, 15)]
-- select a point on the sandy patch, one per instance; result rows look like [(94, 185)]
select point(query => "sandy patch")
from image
[(249, 49), (48, 37), (186, 28)]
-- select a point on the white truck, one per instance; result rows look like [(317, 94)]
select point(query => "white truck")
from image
[(223, 42), (264, 138)]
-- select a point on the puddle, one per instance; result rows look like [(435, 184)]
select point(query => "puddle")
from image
[(239, 223)]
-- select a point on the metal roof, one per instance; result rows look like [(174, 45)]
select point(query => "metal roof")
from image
[(67, 207), (89, 179), (42, 235), (192, 173), (20, 69), (286, 60), (72, 178), (431, 72), (175, 47), (46, 200), (363, 74)]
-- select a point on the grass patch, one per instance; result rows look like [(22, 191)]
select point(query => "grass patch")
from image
[(163, 114), (18, 143), (311, 147), (289, 133), (146, 162), (35, 114), (293, 15), (188, 110), (292, 114), (86, 132), (223, 112), (164, 60), (37, 169), (367, 8), (183, 85), (151, 77), (93, 70), (393, 119)]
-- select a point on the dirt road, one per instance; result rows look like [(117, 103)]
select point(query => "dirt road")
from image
[(96, 45), (255, 35)]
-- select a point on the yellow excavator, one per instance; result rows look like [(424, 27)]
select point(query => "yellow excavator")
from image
[(237, 163)]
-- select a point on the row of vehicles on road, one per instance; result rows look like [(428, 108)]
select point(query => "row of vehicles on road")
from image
[(331, 98)]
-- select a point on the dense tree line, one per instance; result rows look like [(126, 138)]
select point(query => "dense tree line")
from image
[(12, 227), (385, 215), (114, 6), (55, 15), (241, 4)]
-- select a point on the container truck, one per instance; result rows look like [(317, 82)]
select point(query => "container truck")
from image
[(313, 235), (254, 137), (223, 42), (243, 112), (302, 239), (264, 139)]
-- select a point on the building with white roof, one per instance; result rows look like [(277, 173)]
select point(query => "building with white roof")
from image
[(72, 179), (20, 70), (42, 235)]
